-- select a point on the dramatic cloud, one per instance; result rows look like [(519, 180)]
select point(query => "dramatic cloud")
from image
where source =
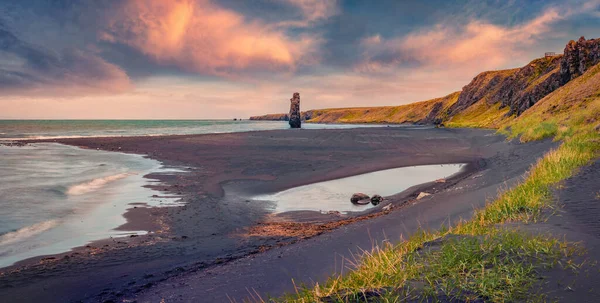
[(199, 36), (235, 58), (475, 45), (29, 69)]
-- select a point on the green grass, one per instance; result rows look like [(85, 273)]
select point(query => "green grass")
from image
[(409, 113), (490, 262), (479, 115), (487, 259), (499, 266)]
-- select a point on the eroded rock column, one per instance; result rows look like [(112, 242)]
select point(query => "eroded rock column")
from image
[(295, 118)]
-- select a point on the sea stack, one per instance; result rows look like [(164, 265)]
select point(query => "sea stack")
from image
[(295, 111)]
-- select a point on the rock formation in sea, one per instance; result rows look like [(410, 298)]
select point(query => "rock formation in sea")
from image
[(295, 116)]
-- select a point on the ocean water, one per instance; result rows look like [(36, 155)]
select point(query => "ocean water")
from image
[(334, 195), (55, 197), (43, 129)]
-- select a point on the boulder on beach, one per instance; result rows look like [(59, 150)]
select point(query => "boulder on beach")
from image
[(295, 115), (376, 199), (360, 198)]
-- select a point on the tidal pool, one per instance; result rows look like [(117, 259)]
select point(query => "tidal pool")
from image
[(334, 195)]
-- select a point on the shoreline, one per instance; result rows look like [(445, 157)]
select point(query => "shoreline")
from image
[(256, 175), (17, 140), (139, 215)]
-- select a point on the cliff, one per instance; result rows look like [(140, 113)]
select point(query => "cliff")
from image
[(489, 100)]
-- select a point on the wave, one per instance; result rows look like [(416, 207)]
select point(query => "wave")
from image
[(27, 232), (86, 187), (87, 136)]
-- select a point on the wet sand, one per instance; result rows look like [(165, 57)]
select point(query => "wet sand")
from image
[(197, 249)]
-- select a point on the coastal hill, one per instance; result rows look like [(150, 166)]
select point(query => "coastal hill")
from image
[(489, 100), (486, 258)]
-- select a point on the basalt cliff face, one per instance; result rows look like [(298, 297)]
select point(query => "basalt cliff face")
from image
[(519, 89), (492, 95), (578, 58)]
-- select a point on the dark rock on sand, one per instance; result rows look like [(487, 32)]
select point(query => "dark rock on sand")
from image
[(360, 198), (295, 115), (376, 199)]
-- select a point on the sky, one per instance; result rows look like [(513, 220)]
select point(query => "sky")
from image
[(203, 59)]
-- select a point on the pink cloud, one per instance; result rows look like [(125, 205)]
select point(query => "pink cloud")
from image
[(199, 36), (477, 45)]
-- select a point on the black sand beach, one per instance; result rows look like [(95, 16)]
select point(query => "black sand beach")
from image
[(201, 252)]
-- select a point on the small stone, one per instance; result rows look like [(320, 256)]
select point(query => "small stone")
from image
[(423, 195), (376, 199)]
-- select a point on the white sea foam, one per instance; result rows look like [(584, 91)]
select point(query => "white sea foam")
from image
[(27, 232), (95, 184), (86, 136)]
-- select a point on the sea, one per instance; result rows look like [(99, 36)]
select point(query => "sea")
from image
[(55, 197)]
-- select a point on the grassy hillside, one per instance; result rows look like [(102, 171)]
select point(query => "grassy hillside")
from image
[(483, 258), (411, 113), (418, 112), (569, 111)]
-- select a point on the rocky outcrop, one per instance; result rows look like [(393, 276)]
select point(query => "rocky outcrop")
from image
[(578, 58), (479, 89), (433, 116), (295, 115), (543, 76), (528, 85), (519, 89)]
